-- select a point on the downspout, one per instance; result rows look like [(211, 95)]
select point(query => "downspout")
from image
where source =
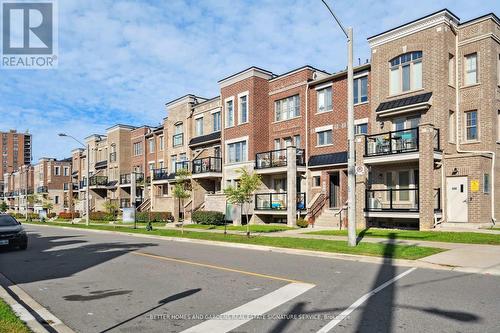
[(477, 152), (306, 151)]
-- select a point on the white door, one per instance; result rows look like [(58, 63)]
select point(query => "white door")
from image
[(457, 193)]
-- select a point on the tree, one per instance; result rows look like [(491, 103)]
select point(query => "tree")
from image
[(182, 191), (3, 206), (243, 193), (111, 207)]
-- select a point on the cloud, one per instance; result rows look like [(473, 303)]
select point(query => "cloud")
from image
[(120, 61)]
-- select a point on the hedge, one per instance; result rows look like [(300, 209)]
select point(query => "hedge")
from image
[(154, 216), (102, 216), (68, 215), (208, 217), (302, 223)]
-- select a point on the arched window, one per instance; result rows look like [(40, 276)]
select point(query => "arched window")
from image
[(405, 73)]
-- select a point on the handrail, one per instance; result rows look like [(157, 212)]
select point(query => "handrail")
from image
[(393, 142), (316, 207), (277, 158)]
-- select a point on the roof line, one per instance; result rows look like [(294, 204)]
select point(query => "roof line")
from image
[(243, 71)]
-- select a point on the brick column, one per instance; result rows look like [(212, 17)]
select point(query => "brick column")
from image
[(426, 176), (291, 186), (361, 181)]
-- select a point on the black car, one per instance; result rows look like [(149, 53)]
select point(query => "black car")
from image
[(12, 233)]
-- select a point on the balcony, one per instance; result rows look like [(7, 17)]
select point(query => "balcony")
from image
[(277, 160), (277, 202), (160, 174), (396, 146), (178, 140), (207, 167), (125, 179), (101, 165), (97, 181), (42, 189), (182, 165)]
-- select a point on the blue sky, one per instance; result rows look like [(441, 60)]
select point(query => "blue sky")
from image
[(120, 61)]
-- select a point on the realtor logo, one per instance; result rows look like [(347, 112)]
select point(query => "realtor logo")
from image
[(29, 39)]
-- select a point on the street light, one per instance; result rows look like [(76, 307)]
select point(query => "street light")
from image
[(87, 176), (351, 180)]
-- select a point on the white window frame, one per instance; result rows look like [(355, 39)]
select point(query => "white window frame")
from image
[(216, 129), (151, 145), (234, 141), (467, 70), (321, 94), (161, 143), (319, 131), (226, 112), (240, 96), (57, 171), (359, 89), (285, 112), (466, 127), (398, 70), (198, 129)]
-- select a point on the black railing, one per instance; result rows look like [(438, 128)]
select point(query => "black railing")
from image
[(277, 158), (401, 200), (42, 189), (178, 140), (98, 181), (182, 165), (207, 164), (101, 164), (112, 157), (394, 142), (160, 174), (277, 201), (125, 179)]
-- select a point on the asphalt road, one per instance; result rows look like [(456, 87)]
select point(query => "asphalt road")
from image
[(97, 282)]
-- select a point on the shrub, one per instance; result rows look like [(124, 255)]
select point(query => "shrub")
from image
[(155, 216), (51, 215), (102, 216), (208, 217), (68, 215), (33, 216), (301, 223)]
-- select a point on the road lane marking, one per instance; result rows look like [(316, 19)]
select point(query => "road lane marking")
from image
[(361, 300), (234, 318), (217, 267)]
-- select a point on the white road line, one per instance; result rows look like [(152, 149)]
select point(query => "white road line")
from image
[(234, 318), (360, 301)]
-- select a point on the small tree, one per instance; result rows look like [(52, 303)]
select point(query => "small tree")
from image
[(3, 206), (182, 191), (48, 206), (243, 193), (111, 207)]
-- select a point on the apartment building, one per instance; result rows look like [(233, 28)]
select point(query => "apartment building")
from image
[(50, 178), (16, 151), (432, 155), (18, 187)]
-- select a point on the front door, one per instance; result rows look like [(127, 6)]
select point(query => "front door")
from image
[(334, 189), (456, 203)]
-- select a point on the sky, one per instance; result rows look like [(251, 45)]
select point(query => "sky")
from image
[(121, 61)]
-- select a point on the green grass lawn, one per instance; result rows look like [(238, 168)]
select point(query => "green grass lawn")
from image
[(9, 322), (369, 249), (436, 236), (253, 228)]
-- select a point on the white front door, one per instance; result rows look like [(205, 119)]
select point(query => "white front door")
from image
[(456, 203)]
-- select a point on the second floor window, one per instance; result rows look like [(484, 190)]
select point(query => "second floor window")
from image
[(361, 90), (57, 171), (406, 73), (325, 138), (325, 102), (470, 69), (137, 148), (237, 152), (216, 119), (161, 144), (361, 128), (199, 126), (229, 113), (471, 125), (151, 144), (243, 109), (287, 108), (178, 138)]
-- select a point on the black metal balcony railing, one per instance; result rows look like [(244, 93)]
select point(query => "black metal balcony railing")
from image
[(277, 201), (160, 174), (42, 189), (125, 179), (400, 200), (98, 181), (125, 203), (182, 165), (112, 157), (277, 158), (178, 140), (393, 142), (101, 164), (207, 164)]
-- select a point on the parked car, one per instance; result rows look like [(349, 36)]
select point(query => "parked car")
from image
[(12, 233)]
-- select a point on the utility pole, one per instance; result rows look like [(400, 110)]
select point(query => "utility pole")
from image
[(351, 180)]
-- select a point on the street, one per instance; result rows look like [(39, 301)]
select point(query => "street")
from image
[(103, 282)]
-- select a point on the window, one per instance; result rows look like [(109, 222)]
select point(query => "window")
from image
[(324, 138), (216, 119), (151, 145), (229, 113), (316, 181), (56, 199), (451, 69), (66, 171), (57, 171), (179, 129), (280, 184), (361, 128), (178, 138), (137, 148), (486, 183), (287, 108), (182, 157), (471, 125), (151, 167), (325, 102), (243, 109), (161, 143), (406, 72), (199, 126), (451, 126), (470, 69), (173, 160), (296, 141), (160, 165), (237, 152), (361, 90)]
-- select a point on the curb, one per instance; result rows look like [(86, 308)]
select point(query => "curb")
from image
[(24, 314)]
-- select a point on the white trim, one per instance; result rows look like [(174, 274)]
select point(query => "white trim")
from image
[(245, 75), (242, 138), (323, 128), (217, 109), (226, 100), (198, 116), (243, 94), (323, 86), (361, 121), (361, 74)]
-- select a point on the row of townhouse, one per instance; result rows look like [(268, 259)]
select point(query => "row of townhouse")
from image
[(427, 113), (42, 186)]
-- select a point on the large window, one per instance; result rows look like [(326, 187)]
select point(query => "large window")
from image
[(151, 144), (287, 108), (216, 121), (199, 126), (325, 101), (173, 160), (361, 90), (406, 72), (471, 125), (229, 113), (325, 138), (161, 143), (137, 148), (243, 109), (178, 138), (237, 152), (470, 69), (361, 128)]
